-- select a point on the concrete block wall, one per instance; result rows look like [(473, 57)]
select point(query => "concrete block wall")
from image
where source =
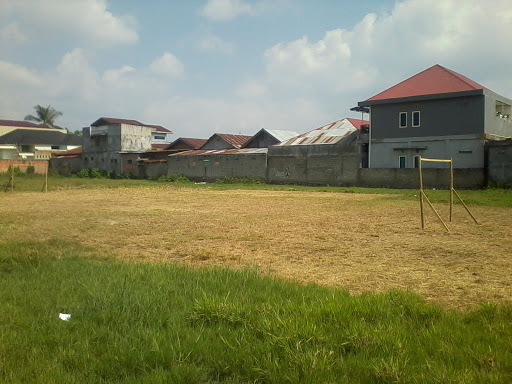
[(214, 167), (499, 162)]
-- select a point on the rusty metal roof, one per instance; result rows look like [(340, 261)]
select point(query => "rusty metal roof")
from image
[(236, 151), (112, 120), (234, 140), (22, 124), (193, 143), (328, 134)]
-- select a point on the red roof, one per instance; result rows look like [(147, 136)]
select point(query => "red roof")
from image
[(72, 153), (192, 143), (113, 120), (431, 81), (159, 146), (235, 140), (358, 122), (21, 124)]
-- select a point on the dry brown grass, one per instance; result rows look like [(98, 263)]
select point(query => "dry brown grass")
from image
[(358, 242)]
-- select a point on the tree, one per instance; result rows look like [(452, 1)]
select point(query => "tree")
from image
[(46, 116)]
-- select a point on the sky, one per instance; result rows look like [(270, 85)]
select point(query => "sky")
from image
[(200, 67)]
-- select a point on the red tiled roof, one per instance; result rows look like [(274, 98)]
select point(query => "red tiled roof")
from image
[(434, 80), (235, 140), (21, 124), (113, 120)]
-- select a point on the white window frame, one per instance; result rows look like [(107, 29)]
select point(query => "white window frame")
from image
[(399, 161), (419, 119), (400, 120)]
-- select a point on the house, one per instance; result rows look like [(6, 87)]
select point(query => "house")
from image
[(36, 144), (7, 126), (225, 141), (437, 113), (267, 137), (186, 143), (115, 145), (331, 154)]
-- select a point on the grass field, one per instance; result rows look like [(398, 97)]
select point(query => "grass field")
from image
[(117, 255)]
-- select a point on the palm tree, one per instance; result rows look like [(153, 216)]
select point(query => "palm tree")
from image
[(46, 116)]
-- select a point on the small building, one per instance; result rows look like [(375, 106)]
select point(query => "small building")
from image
[(225, 141), (186, 144), (331, 154), (437, 113), (267, 137), (36, 144), (115, 145)]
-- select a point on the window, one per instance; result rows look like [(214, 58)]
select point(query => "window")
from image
[(402, 161), (55, 147), (416, 161), (157, 137), (129, 161), (403, 120), (416, 119)]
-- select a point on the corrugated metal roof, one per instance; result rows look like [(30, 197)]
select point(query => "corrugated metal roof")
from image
[(113, 120), (236, 151), (235, 140), (434, 80), (281, 135), (328, 134), (194, 143)]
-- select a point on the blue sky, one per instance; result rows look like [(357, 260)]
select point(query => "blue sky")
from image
[(235, 66)]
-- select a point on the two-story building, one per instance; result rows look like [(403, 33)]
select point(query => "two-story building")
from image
[(437, 113), (112, 144)]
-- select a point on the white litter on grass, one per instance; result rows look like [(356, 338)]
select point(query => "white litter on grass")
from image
[(64, 316)]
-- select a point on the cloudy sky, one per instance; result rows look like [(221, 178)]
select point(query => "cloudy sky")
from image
[(200, 67)]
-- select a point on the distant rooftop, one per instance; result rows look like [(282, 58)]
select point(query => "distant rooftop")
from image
[(434, 80), (21, 124), (112, 120), (328, 134)]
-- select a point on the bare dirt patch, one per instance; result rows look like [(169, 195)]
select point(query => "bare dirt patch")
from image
[(354, 241)]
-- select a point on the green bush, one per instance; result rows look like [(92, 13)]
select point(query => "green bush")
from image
[(173, 179), (30, 170)]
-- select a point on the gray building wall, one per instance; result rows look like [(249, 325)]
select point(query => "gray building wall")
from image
[(499, 163), (439, 117), (216, 142), (102, 146), (213, 167), (323, 164), (261, 140), (466, 151)]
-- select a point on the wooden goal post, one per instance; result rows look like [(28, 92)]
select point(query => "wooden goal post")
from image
[(453, 192)]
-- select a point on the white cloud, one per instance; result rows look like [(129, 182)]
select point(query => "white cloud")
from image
[(167, 65), (225, 10), (88, 20), (12, 34), (216, 44)]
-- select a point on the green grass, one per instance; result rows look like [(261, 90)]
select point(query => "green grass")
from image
[(498, 197), (162, 323)]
